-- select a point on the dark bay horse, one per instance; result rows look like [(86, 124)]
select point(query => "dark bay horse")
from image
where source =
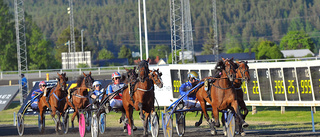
[(55, 102), (142, 98), (242, 74), (79, 96), (222, 95)]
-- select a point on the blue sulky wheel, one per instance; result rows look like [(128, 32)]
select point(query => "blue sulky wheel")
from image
[(94, 126), (102, 123), (20, 124), (154, 124), (229, 128), (167, 124), (180, 123)]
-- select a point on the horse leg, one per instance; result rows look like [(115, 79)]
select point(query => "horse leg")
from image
[(141, 112), (145, 124), (243, 107), (41, 110), (206, 116), (129, 111), (215, 113), (197, 124), (75, 113), (237, 111), (53, 114)]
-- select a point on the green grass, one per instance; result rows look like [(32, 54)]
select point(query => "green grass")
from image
[(266, 118)]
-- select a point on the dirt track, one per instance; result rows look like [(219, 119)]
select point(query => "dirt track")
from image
[(31, 131)]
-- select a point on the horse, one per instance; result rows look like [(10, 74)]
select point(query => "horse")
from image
[(222, 95), (242, 74), (155, 76), (55, 102), (142, 98), (79, 97)]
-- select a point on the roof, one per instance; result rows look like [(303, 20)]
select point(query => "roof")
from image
[(107, 62), (236, 56), (296, 53)]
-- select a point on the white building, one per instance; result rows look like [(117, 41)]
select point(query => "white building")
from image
[(297, 53)]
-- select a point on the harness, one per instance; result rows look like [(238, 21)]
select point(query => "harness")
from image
[(55, 95), (76, 95)]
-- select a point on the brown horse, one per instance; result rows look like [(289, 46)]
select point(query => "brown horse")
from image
[(79, 96), (155, 76), (55, 102), (222, 95), (142, 98)]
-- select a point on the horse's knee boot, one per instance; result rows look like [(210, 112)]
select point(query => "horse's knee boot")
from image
[(245, 124)]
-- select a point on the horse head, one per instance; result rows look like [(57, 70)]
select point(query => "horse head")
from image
[(62, 81), (229, 68), (131, 75), (143, 70), (155, 75), (88, 80), (243, 70)]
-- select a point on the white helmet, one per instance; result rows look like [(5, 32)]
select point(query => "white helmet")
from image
[(96, 83)]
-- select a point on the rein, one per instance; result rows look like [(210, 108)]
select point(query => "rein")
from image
[(220, 86)]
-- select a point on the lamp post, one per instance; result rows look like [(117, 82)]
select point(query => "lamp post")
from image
[(82, 39)]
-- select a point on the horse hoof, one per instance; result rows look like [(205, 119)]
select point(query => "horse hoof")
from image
[(225, 133), (245, 125), (217, 124), (197, 124), (243, 134), (213, 132)]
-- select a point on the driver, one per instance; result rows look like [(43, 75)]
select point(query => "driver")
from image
[(42, 86), (190, 100), (97, 91), (116, 102)]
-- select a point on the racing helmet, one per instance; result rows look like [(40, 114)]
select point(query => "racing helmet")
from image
[(42, 83), (194, 75), (96, 83), (115, 75)]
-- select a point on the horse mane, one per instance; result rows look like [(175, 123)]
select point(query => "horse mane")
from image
[(143, 64), (79, 80)]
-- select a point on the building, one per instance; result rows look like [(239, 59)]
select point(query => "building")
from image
[(296, 53)]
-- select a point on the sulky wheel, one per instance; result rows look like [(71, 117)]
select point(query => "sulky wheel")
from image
[(154, 124), (82, 125), (94, 126), (167, 124), (102, 123), (20, 124), (230, 124), (180, 123)]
